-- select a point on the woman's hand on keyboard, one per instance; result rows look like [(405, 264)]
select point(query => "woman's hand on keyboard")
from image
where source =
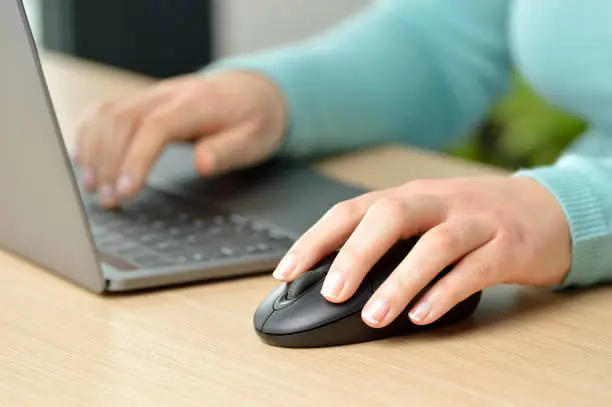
[(235, 119)]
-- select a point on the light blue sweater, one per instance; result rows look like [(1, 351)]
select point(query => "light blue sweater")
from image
[(425, 72)]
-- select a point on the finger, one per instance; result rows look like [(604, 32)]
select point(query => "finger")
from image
[(122, 122), (387, 221), (440, 247), (86, 147), (473, 273), (112, 136), (325, 236), (226, 151), (168, 122), (98, 136)]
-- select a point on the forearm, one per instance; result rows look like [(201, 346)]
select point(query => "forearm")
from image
[(423, 72), (581, 180)]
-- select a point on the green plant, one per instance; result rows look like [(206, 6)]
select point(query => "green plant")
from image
[(522, 131)]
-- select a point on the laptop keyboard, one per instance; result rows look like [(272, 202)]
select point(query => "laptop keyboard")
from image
[(160, 230)]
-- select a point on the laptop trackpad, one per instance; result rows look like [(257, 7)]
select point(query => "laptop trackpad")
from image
[(289, 196)]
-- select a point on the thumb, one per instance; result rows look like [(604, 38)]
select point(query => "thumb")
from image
[(230, 149)]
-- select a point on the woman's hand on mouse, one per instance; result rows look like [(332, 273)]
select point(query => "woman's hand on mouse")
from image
[(494, 230), (235, 119)]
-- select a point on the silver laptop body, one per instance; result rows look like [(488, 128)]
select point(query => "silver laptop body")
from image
[(181, 229)]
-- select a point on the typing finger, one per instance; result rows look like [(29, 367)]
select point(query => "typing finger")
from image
[(87, 141), (121, 126)]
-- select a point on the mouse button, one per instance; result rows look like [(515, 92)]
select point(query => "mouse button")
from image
[(266, 307), (301, 284), (305, 282), (312, 311)]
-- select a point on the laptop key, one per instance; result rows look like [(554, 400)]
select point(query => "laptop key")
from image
[(134, 231), (109, 239), (167, 245), (130, 249), (151, 261), (151, 238), (198, 257), (192, 258), (175, 232), (228, 251)]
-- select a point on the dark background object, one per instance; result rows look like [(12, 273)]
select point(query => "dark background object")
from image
[(160, 38)]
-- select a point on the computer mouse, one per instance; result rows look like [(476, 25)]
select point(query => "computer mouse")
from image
[(296, 315)]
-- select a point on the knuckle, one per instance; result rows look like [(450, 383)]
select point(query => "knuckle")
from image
[(391, 212), (345, 210), (155, 128), (210, 90), (391, 206), (422, 184), (123, 117), (182, 101), (114, 114), (155, 121)]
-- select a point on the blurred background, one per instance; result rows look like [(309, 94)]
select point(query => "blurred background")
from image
[(162, 38)]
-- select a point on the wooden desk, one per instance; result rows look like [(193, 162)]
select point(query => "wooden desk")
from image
[(62, 346)]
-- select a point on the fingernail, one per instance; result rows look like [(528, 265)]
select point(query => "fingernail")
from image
[(420, 312), (88, 178), (285, 267), (376, 312), (333, 285), (124, 185)]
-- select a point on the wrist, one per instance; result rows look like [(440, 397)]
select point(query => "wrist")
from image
[(553, 226), (585, 218)]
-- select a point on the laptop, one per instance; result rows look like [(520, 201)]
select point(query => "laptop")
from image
[(180, 229)]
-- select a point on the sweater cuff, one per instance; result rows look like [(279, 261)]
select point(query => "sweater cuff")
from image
[(583, 210)]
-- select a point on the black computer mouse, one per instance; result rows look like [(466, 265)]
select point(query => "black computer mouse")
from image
[(296, 315)]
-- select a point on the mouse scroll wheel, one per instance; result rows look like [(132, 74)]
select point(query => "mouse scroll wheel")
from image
[(304, 282)]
